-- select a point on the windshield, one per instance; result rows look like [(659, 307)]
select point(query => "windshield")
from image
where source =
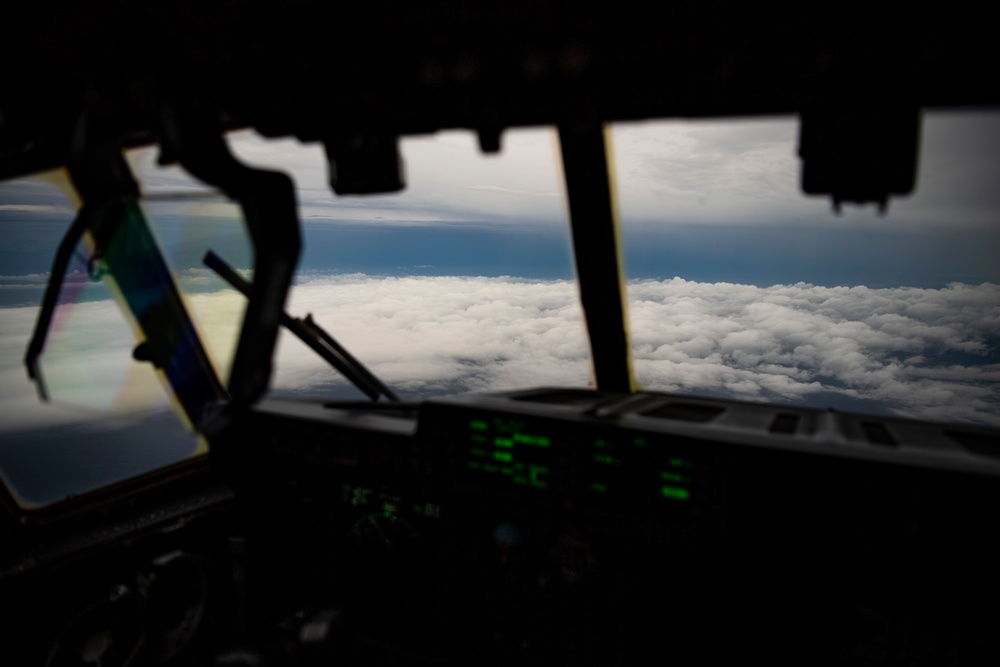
[(738, 285)]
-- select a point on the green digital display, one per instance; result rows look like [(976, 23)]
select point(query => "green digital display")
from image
[(507, 449), (535, 473), (533, 440), (629, 466), (618, 465), (678, 477), (385, 504), (675, 493), (519, 473)]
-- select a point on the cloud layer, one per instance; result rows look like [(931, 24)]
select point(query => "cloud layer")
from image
[(918, 352), (922, 352), (926, 353)]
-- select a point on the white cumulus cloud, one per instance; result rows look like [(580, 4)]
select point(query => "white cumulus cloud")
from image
[(920, 352), (926, 353)]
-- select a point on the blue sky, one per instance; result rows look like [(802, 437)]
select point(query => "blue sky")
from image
[(740, 286)]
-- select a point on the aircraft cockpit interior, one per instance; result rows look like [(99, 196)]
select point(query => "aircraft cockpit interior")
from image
[(536, 333)]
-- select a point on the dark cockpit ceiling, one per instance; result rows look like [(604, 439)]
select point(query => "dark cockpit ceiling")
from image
[(317, 70)]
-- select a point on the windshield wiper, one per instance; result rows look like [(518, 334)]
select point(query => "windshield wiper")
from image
[(312, 335)]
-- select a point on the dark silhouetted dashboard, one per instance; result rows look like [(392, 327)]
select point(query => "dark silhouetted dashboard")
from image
[(546, 525)]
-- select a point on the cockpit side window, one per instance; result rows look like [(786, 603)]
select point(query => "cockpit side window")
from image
[(107, 418)]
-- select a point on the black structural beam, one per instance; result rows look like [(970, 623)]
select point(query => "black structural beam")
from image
[(597, 250)]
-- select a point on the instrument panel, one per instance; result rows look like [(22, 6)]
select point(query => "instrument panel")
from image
[(547, 525), (581, 526)]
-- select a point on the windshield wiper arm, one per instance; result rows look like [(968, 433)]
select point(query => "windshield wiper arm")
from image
[(312, 335)]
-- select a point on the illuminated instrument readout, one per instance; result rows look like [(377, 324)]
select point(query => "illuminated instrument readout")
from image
[(612, 466), (630, 466), (386, 504), (506, 448)]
